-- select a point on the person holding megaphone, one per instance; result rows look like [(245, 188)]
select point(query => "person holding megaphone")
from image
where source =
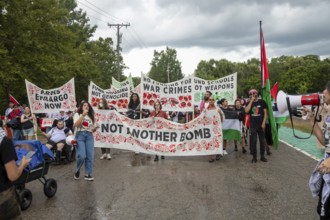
[(320, 180), (257, 109)]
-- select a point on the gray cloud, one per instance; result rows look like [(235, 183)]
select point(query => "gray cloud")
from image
[(297, 27)]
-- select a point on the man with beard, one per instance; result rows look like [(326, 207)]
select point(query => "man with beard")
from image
[(204, 103)]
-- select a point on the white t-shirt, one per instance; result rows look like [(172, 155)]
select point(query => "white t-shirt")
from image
[(57, 134), (86, 125)]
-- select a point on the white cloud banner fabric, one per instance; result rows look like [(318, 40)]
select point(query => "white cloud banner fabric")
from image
[(53, 100), (202, 136)]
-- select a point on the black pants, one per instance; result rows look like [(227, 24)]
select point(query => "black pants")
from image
[(254, 132)]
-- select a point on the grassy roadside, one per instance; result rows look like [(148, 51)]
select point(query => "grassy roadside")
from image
[(299, 124)]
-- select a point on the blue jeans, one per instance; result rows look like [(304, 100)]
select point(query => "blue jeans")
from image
[(85, 151), (17, 135)]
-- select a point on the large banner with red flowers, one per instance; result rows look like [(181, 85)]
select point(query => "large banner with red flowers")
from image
[(118, 98), (174, 96), (202, 136), (53, 100)]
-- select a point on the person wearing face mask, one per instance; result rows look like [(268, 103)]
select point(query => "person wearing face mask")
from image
[(257, 109)]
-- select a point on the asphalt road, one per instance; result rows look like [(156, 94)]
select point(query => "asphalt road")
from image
[(135, 187)]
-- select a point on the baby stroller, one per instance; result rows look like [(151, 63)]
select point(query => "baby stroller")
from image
[(37, 169)]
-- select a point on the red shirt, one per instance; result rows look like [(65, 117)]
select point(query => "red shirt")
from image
[(160, 114)]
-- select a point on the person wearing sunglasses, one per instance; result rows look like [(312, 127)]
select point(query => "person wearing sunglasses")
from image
[(257, 109)]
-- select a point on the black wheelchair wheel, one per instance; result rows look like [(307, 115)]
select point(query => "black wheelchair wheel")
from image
[(25, 199), (50, 188)]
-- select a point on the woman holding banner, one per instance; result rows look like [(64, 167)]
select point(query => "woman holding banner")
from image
[(84, 123), (27, 120), (158, 113), (103, 104), (213, 107), (134, 111)]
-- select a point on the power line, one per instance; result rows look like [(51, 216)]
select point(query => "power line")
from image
[(100, 11), (114, 17)]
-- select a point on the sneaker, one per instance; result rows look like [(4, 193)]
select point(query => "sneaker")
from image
[(89, 177), (103, 156), (156, 158), (76, 175), (225, 152), (217, 157), (108, 156)]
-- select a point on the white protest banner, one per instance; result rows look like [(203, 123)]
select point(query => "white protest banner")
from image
[(118, 98), (128, 81), (154, 135), (53, 100), (174, 96), (47, 122), (225, 87), (137, 89)]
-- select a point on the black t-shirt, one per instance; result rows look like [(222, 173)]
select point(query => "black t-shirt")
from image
[(240, 113), (257, 113), (7, 154)]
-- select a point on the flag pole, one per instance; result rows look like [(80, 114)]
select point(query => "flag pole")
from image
[(261, 69)]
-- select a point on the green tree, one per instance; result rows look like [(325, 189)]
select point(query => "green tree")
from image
[(165, 67)]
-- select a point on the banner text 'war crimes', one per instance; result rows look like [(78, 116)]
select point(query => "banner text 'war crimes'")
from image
[(153, 135)]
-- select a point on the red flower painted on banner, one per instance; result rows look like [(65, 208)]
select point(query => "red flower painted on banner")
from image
[(109, 138), (138, 124), (103, 117), (172, 148), (198, 146), (97, 135)]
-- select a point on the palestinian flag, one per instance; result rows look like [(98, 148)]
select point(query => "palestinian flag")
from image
[(231, 126), (13, 100), (265, 85)]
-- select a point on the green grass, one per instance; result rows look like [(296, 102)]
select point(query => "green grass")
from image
[(299, 124)]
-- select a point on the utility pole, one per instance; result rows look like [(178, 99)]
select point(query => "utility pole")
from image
[(119, 37)]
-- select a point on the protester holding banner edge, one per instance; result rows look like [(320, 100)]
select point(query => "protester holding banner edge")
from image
[(240, 115), (103, 104), (27, 120), (212, 107), (161, 114)]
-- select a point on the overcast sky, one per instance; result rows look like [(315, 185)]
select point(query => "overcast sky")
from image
[(211, 29)]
